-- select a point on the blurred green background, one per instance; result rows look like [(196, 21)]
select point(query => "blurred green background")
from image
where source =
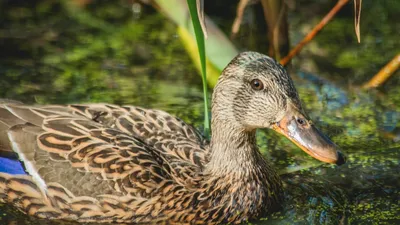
[(128, 52)]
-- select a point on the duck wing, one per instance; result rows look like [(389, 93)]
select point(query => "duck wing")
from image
[(182, 149), (93, 161)]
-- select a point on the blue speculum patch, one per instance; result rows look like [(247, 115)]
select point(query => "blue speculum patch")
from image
[(11, 166)]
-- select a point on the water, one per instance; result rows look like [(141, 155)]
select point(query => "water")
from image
[(51, 55)]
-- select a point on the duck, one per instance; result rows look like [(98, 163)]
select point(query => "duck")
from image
[(106, 163)]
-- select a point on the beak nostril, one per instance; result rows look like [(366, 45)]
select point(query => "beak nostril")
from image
[(341, 159)]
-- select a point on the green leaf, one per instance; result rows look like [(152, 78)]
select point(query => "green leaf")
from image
[(202, 52)]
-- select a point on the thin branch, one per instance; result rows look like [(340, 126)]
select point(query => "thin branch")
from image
[(384, 73), (314, 31), (239, 17), (275, 32)]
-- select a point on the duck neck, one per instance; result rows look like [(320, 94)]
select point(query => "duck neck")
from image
[(240, 174), (234, 150)]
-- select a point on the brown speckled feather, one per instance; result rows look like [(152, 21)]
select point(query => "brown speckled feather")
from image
[(88, 151), (106, 163)]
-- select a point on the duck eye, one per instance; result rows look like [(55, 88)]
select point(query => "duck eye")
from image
[(301, 121), (257, 85)]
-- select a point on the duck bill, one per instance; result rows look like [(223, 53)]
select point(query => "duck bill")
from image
[(305, 135)]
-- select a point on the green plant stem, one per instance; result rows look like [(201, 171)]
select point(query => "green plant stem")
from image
[(202, 53)]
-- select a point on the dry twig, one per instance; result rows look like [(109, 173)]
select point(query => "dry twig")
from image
[(239, 17), (357, 15), (384, 73), (314, 31)]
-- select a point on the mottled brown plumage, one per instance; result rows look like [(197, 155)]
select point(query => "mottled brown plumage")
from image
[(106, 163)]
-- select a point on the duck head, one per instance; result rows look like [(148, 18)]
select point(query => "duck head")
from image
[(254, 91)]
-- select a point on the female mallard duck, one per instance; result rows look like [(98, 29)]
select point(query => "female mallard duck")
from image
[(105, 163)]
